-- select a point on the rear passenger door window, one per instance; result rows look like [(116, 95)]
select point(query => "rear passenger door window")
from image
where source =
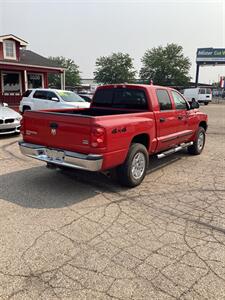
[(41, 95), (163, 100)]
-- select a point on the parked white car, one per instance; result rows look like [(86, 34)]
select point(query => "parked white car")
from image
[(42, 99), (199, 94), (9, 120)]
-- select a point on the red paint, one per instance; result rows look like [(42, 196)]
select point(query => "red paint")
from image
[(17, 51), (45, 80), (1, 51), (100, 132)]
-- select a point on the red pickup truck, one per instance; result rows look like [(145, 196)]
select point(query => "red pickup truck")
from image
[(124, 125)]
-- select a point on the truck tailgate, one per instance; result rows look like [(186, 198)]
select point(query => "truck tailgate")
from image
[(70, 132)]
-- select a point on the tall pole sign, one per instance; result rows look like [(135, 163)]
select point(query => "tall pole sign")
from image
[(209, 56)]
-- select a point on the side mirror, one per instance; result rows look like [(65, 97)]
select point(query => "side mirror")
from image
[(194, 104), (5, 104), (55, 99)]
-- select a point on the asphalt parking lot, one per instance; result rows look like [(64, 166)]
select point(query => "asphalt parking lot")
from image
[(73, 235)]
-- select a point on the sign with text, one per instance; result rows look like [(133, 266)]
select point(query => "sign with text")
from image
[(210, 55)]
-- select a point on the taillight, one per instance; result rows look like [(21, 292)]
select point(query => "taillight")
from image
[(97, 137), (22, 126)]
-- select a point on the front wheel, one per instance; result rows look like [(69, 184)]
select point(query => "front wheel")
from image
[(133, 170), (206, 103), (199, 142)]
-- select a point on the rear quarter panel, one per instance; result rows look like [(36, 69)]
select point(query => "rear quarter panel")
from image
[(120, 131)]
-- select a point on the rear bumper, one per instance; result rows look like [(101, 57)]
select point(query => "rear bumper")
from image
[(88, 162)]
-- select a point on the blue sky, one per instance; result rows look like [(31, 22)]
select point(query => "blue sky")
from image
[(85, 30)]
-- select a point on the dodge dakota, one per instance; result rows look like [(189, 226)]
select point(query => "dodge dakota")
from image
[(123, 126)]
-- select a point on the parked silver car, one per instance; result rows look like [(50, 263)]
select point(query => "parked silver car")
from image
[(9, 120)]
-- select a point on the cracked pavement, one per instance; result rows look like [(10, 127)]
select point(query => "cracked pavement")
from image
[(77, 235)]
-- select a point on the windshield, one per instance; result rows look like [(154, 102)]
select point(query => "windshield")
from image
[(70, 96)]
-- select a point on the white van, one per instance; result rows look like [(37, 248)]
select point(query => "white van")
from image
[(200, 94)]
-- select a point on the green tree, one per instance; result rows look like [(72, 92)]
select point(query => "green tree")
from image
[(72, 73), (115, 68), (166, 65)]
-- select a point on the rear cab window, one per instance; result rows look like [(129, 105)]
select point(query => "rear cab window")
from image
[(125, 98)]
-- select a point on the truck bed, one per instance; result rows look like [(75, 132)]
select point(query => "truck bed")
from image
[(71, 129)]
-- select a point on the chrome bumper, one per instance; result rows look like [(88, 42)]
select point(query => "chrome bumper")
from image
[(89, 162)]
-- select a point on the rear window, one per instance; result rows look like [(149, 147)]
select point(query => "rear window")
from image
[(27, 93), (121, 98)]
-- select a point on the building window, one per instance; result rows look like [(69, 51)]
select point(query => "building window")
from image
[(35, 81), (11, 83), (9, 49)]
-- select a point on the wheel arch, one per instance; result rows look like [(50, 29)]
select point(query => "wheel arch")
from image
[(203, 124), (142, 138), (26, 107)]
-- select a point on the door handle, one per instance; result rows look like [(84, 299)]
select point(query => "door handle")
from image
[(180, 117), (162, 120)]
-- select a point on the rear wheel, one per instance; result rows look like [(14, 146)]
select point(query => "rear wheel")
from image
[(206, 103), (199, 142), (133, 170)]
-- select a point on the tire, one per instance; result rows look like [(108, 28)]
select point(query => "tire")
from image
[(133, 170), (199, 142), (206, 103)]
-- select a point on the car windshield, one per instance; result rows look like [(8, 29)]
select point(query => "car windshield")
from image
[(70, 96)]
